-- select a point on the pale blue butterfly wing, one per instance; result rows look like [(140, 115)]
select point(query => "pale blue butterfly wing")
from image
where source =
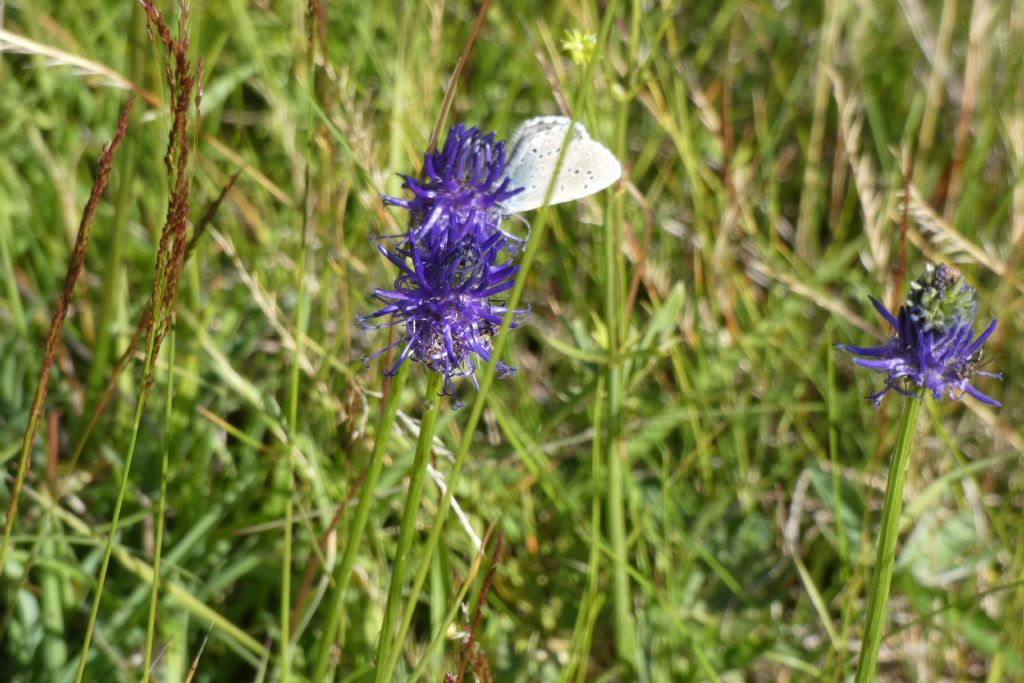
[(533, 152)]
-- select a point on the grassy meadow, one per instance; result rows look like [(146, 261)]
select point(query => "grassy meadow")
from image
[(682, 482)]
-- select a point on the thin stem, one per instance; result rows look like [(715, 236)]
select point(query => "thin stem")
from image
[(881, 580), (140, 405), (161, 509), (614, 444), (301, 320), (286, 572), (413, 499), (343, 572), (582, 633), (615, 456)]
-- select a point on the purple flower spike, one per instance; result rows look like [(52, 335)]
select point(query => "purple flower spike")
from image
[(452, 263), (464, 179), (933, 345), (443, 297)]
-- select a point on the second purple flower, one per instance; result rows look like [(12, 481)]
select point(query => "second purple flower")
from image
[(933, 346)]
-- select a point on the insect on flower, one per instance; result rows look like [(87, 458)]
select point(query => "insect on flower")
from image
[(455, 258), (474, 178), (933, 346)]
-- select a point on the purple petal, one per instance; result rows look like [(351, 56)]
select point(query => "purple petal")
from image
[(981, 338), (884, 312), (982, 397)]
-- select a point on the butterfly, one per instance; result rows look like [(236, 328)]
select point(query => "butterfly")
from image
[(588, 166)]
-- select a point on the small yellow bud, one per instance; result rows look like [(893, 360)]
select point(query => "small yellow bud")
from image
[(580, 46)]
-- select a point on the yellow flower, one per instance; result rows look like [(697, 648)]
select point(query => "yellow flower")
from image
[(580, 46)]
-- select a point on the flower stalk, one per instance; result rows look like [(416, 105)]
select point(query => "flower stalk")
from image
[(932, 351), (343, 574), (161, 513), (881, 579), (417, 477)]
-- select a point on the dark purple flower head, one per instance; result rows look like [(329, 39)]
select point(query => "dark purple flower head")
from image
[(465, 179), (443, 297), (453, 261), (933, 345)]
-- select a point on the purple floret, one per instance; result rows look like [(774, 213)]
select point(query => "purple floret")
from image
[(443, 297), (464, 179)]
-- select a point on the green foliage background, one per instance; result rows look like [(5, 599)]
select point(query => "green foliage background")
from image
[(767, 147)]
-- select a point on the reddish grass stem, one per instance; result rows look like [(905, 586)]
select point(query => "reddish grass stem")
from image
[(133, 344), (184, 92), (75, 267)]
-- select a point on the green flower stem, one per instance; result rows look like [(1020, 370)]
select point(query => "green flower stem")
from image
[(343, 571), (413, 499), (881, 580), (615, 457)]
